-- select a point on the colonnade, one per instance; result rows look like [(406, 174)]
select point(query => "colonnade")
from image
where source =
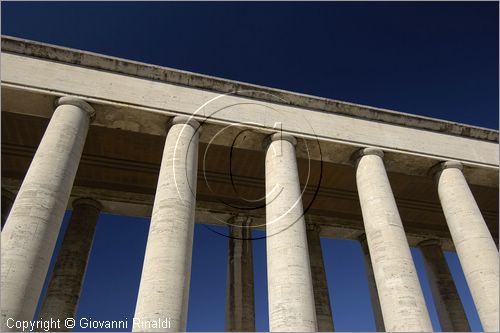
[(297, 288)]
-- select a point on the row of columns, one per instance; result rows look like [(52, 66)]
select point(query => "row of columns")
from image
[(451, 314), (296, 282), (400, 296), (63, 292)]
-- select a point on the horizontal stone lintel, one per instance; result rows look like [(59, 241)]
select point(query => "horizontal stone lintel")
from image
[(96, 61)]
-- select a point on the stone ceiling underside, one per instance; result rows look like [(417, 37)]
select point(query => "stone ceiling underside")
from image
[(122, 167)]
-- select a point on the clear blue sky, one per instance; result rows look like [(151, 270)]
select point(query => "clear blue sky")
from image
[(433, 59)]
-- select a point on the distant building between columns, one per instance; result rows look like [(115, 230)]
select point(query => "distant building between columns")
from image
[(96, 134)]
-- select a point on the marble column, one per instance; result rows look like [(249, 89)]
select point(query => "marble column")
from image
[(7, 201), (240, 304), (401, 298), (290, 288), (450, 310), (320, 284), (31, 230), (474, 244), (372, 286), (63, 291), (166, 274)]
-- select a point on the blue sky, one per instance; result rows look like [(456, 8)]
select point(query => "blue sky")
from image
[(433, 59)]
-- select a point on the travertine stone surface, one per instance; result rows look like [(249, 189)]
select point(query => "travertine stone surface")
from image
[(164, 288), (7, 201), (31, 229), (320, 284), (290, 288), (372, 286), (401, 298), (475, 247), (63, 292), (240, 304), (107, 80), (444, 292)]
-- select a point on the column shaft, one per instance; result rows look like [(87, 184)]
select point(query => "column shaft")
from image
[(63, 292), (164, 288), (473, 242), (401, 298), (240, 305), (7, 201), (290, 288), (320, 284), (448, 305), (32, 227), (372, 286)]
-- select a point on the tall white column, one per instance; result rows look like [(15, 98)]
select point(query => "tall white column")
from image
[(240, 304), (31, 230), (164, 289), (320, 284), (448, 305), (63, 291), (474, 244), (372, 286), (401, 298), (290, 288)]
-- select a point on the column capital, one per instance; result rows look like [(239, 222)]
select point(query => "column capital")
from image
[(183, 120), (364, 243), (313, 227), (430, 242), (87, 202), (355, 157), (240, 221), (362, 238), (78, 102), (445, 165), (278, 136)]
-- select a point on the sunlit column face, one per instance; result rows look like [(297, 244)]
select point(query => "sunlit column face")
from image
[(290, 289), (474, 244), (31, 230), (401, 298), (164, 288)]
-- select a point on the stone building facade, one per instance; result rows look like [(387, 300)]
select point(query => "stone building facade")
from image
[(96, 134)]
